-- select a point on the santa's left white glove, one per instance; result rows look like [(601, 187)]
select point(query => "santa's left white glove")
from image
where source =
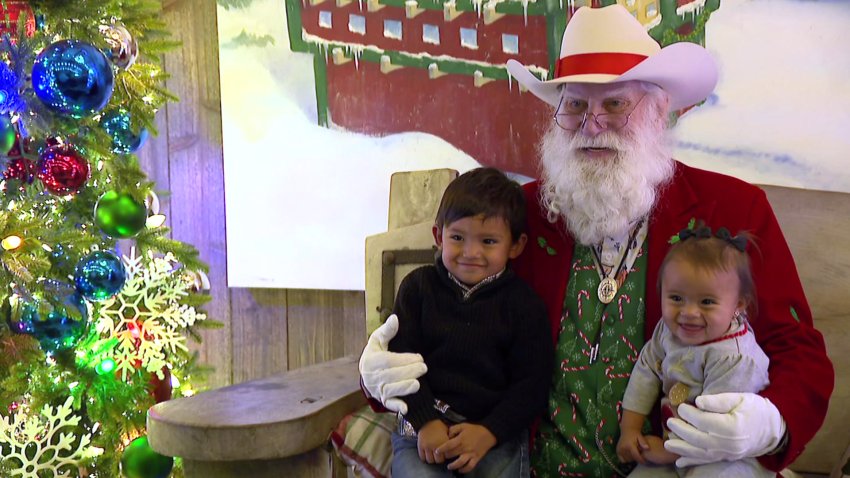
[(725, 426)]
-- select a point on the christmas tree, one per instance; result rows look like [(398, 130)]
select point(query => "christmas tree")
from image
[(97, 301)]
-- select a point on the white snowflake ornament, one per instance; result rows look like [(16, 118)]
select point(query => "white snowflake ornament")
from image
[(36, 446), (147, 317)]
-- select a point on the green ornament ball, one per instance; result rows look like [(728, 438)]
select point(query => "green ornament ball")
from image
[(119, 215), (140, 461), (7, 134)]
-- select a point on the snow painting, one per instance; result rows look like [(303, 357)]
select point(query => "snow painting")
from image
[(302, 198)]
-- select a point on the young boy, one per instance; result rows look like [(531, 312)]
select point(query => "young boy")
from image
[(484, 335)]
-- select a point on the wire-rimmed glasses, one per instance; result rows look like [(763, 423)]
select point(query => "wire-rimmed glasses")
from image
[(575, 120)]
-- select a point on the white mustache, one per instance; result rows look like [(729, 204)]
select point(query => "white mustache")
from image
[(605, 140)]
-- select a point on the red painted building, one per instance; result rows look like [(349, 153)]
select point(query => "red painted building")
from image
[(438, 66)]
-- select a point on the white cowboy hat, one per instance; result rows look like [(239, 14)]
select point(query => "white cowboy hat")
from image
[(609, 45)]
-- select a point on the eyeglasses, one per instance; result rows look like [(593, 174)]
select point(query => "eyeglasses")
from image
[(572, 114)]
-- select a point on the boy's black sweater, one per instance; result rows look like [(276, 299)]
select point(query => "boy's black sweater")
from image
[(489, 356)]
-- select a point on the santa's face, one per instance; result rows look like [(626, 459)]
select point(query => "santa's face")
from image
[(604, 157)]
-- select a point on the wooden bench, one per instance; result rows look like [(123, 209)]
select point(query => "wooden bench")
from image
[(271, 427), (278, 426)]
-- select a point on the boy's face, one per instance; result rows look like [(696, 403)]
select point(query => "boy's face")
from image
[(474, 248), (698, 304)]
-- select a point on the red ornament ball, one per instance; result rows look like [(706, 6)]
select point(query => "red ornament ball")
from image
[(62, 169), (21, 169), (161, 389), (11, 11), (28, 144)]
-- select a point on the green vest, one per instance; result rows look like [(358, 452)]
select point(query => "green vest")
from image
[(578, 437)]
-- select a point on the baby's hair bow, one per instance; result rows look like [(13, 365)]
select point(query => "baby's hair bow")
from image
[(684, 233), (700, 232), (739, 241)]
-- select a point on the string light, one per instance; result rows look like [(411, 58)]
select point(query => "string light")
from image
[(105, 367), (11, 242), (152, 202), (155, 221)]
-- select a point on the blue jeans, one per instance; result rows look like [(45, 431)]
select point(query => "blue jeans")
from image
[(747, 467), (506, 460)]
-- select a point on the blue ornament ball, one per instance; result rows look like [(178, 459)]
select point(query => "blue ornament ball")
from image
[(56, 327), (10, 99), (99, 275), (73, 78), (116, 123)]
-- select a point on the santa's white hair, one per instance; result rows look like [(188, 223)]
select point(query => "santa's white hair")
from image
[(599, 199)]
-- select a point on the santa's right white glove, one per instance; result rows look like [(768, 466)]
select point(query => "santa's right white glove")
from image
[(387, 375)]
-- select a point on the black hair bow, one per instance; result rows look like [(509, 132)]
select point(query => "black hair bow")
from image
[(739, 241), (702, 232)]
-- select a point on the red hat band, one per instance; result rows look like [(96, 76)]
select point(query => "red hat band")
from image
[(597, 64)]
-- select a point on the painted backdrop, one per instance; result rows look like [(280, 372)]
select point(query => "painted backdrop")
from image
[(302, 197)]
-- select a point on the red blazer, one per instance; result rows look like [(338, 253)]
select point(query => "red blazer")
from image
[(801, 375)]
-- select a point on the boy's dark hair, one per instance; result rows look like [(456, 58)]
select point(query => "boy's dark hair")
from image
[(484, 191)]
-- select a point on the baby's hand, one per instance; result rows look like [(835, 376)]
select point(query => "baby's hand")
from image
[(430, 436), (631, 447), (656, 453)]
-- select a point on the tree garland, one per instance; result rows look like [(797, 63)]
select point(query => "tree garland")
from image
[(92, 331)]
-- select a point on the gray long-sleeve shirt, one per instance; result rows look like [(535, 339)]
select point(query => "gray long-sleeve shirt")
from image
[(735, 364)]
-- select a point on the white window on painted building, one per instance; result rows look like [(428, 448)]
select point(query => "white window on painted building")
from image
[(357, 24), (325, 19), (510, 43), (392, 29), (651, 10), (431, 34), (469, 38)]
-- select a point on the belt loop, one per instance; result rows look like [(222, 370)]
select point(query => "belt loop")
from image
[(405, 428)]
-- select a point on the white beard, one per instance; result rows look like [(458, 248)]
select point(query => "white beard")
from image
[(602, 198)]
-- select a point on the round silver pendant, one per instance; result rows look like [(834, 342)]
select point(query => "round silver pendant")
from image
[(607, 290)]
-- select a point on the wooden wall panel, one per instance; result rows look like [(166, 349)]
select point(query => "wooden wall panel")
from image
[(316, 322), (259, 332), (153, 158), (196, 177), (266, 330), (354, 322), (263, 333)]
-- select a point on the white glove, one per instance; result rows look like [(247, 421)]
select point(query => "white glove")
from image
[(725, 426), (387, 375)]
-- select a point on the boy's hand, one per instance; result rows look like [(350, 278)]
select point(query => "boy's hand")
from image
[(430, 436), (632, 446), (469, 443)]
